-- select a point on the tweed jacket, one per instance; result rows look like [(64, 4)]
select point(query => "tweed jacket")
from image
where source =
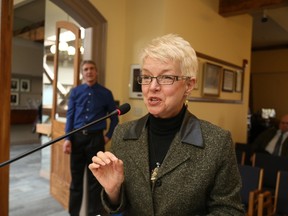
[(199, 175), (261, 142)]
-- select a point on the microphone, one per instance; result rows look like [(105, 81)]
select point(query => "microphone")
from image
[(123, 109)]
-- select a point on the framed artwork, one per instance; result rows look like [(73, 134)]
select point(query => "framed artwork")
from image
[(25, 85), (228, 80), (211, 79), (14, 84), (200, 68), (135, 89), (14, 99), (239, 81)]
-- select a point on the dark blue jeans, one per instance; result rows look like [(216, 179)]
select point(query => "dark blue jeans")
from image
[(84, 147)]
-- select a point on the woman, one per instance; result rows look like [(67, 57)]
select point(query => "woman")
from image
[(169, 162)]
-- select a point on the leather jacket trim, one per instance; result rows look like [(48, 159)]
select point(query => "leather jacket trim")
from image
[(190, 131)]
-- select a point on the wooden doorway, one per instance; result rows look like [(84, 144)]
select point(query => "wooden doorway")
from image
[(87, 16), (65, 67), (6, 24)]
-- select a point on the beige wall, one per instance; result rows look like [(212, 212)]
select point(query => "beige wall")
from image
[(27, 57), (131, 23), (27, 64), (269, 71)]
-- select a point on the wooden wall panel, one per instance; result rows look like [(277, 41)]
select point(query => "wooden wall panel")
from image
[(269, 90)]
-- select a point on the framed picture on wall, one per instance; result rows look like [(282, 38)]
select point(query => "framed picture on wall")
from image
[(14, 99), (239, 81), (211, 79), (25, 85), (228, 80), (134, 87), (14, 84)]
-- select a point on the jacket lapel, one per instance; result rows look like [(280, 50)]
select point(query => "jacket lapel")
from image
[(189, 134), (139, 151), (139, 155), (176, 155)]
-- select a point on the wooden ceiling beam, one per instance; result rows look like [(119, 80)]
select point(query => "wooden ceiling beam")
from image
[(237, 7), (34, 32), (29, 28), (36, 35)]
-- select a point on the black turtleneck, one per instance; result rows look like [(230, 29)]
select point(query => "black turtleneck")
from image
[(161, 132)]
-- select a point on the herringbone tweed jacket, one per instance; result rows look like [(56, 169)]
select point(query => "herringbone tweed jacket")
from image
[(199, 175)]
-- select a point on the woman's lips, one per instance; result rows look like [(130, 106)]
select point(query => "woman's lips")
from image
[(154, 100)]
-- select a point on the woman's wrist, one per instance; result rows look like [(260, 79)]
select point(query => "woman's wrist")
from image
[(113, 195)]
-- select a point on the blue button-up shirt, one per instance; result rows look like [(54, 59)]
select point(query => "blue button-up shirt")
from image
[(89, 103)]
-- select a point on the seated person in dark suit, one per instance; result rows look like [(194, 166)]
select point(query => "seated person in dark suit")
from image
[(273, 141), (259, 123)]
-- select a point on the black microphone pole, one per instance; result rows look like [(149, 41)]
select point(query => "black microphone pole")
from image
[(122, 110)]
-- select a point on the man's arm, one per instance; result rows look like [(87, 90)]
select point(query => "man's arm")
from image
[(114, 120)]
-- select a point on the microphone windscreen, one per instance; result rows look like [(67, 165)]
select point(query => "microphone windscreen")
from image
[(123, 109)]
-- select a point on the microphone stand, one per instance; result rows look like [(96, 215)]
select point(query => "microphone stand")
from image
[(57, 139)]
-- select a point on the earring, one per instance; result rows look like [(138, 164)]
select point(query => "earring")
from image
[(186, 103)]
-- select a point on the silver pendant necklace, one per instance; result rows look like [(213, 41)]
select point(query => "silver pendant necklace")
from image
[(155, 172)]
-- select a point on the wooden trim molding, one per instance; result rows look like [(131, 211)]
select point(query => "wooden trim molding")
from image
[(235, 95), (237, 7), (5, 74), (85, 13)]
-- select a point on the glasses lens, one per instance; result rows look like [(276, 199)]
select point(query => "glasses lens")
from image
[(144, 80), (165, 80), (162, 79)]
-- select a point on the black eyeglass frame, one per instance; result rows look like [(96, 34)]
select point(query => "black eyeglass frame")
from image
[(161, 77)]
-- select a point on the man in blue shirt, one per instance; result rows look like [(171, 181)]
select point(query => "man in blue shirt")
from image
[(87, 102)]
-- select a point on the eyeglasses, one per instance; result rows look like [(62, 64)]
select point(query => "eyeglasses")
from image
[(161, 80)]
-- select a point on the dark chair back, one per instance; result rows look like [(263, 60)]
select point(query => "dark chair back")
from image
[(271, 165), (240, 155), (281, 194), (243, 153), (251, 180)]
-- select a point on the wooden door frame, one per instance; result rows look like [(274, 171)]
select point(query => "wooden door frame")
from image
[(95, 25), (74, 29), (60, 172), (5, 80), (89, 18)]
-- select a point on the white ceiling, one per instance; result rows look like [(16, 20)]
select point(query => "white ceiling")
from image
[(266, 35)]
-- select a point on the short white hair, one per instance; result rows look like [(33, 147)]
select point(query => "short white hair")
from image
[(175, 48)]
